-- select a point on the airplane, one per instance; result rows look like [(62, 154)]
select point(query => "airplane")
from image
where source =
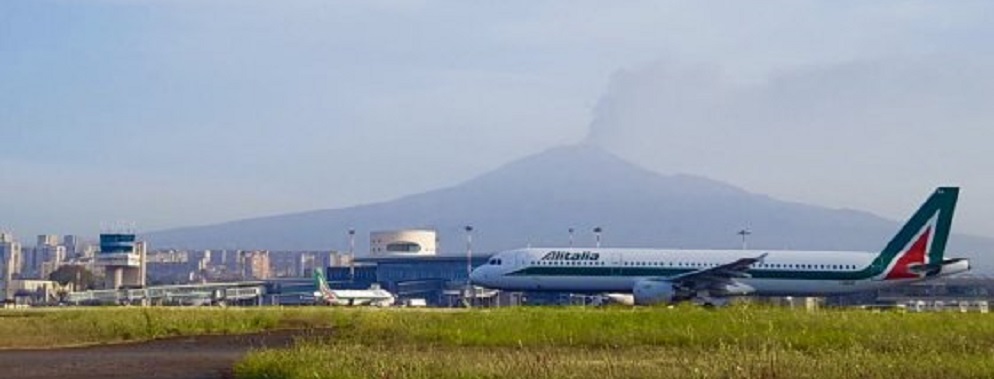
[(709, 277), (374, 296)]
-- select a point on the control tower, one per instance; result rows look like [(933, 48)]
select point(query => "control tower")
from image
[(123, 260)]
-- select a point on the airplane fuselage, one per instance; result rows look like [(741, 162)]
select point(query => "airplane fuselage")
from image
[(780, 273), (915, 253)]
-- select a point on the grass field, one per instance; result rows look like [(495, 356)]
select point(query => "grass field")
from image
[(735, 342), (54, 327)]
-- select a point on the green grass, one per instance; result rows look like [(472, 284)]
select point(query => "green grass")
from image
[(407, 361), (46, 328), (735, 342)]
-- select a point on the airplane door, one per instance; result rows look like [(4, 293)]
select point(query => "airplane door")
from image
[(616, 261), (522, 260), (878, 266)]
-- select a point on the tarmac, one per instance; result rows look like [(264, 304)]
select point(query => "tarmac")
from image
[(199, 357)]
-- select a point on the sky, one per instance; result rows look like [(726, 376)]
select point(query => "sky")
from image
[(189, 112)]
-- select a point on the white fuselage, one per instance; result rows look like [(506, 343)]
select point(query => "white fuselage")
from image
[(780, 273), (376, 297)]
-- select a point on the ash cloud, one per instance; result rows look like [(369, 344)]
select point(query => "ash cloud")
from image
[(826, 134)]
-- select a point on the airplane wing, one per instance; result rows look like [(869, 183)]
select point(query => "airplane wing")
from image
[(715, 277)]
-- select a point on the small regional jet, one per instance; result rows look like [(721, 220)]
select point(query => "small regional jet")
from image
[(374, 296), (653, 276)]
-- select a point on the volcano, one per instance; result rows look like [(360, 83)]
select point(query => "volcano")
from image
[(536, 200)]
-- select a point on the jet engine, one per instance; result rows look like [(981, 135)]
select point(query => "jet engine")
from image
[(947, 267), (648, 292), (954, 266)]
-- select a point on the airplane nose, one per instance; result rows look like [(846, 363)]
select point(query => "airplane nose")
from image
[(477, 276)]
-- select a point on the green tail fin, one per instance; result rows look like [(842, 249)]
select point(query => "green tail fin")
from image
[(319, 281), (922, 240)]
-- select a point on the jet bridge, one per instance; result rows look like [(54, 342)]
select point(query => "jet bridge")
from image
[(189, 294)]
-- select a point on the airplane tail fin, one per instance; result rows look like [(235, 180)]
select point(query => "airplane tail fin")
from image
[(321, 285), (921, 242)]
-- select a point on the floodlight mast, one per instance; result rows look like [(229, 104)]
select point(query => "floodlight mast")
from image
[(469, 261), (745, 234), (351, 255)]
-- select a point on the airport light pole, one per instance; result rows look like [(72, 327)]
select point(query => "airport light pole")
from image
[(351, 254), (469, 261), (597, 235), (745, 234)]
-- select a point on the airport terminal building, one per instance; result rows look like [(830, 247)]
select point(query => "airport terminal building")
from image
[(405, 262)]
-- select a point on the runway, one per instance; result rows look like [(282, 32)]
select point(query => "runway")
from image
[(201, 357)]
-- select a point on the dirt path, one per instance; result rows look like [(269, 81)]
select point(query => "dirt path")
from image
[(200, 357)]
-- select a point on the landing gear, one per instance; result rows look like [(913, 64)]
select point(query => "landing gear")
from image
[(711, 302)]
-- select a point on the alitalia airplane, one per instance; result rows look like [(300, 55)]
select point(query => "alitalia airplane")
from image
[(710, 276), (325, 295)]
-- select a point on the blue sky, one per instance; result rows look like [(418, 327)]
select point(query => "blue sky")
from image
[(175, 113)]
